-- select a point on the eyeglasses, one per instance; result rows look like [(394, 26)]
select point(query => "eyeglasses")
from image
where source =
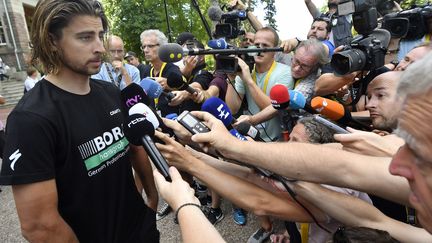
[(302, 66), (149, 46), (248, 39), (116, 51)]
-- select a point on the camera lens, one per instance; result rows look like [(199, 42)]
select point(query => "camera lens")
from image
[(348, 61)]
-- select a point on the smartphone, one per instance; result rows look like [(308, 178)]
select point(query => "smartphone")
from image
[(191, 123), (330, 125)]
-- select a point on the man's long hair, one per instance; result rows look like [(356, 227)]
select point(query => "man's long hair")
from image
[(49, 20)]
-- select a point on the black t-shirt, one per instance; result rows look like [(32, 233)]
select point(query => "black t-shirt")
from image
[(203, 78), (78, 141)]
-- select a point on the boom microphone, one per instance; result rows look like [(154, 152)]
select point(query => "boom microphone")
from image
[(173, 52), (215, 13), (154, 89), (336, 112), (139, 131), (176, 81)]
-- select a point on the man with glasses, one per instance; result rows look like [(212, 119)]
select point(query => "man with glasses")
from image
[(115, 71), (151, 40)]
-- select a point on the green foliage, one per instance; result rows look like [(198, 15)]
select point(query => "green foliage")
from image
[(408, 3), (270, 13)]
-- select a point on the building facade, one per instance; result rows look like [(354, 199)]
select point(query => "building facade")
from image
[(15, 23)]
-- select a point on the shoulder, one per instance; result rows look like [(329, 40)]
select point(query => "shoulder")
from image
[(282, 69), (131, 68)]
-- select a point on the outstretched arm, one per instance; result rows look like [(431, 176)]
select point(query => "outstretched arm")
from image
[(353, 211), (309, 162)]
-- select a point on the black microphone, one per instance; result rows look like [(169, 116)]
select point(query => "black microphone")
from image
[(246, 129), (176, 81), (133, 94), (139, 131), (215, 12), (152, 116), (173, 52)]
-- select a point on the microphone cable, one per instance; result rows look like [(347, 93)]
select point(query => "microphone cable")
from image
[(294, 197)]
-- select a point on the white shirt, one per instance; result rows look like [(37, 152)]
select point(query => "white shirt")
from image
[(29, 83)]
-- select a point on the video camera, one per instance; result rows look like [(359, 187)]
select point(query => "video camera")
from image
[(367, 50), (408, 24), (229, 24)]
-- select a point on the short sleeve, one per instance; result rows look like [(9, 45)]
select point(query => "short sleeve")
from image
[(239, 85), (29, 152)]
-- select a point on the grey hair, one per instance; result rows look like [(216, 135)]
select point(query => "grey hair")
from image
[(162, 39), (317, 49), (417, 79), (317, 132)]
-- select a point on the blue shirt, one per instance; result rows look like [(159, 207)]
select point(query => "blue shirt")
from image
[(330, 47), (103, 74)]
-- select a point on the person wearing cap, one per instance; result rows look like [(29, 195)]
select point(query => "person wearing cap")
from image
[(132, 59)]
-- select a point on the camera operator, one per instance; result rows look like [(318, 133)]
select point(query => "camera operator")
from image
[(309, 56), (341, 25), (336, 167), (256, 86)]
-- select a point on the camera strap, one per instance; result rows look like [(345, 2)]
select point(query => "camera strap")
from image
[(267, 77), (119, 77)]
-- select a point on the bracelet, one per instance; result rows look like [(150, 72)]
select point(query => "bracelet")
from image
[(184, 205)]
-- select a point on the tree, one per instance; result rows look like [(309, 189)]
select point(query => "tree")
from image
[(408, 3), (270, 13)]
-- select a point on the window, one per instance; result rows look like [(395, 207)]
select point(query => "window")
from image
[(2, 34)]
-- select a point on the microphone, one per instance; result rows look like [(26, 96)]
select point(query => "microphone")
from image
[(151, 115), (176, 81), (219, 109), (171, 116), (336, 112), (218, 44), (280, 97), (173, 52), (139, 131), (133, 94), (246, 129), (215, 12), (298, 101), (154, 89), (236, 134)]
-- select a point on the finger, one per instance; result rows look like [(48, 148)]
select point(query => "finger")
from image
[(352, 130), (164, 137), (343, 138), (159, 179), (175, 174), (205, 116)]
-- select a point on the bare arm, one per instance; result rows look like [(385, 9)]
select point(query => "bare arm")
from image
[(253, 20), (232, 99), (142, 166), (40, 220), (193, 223), (328, 83), (309, 162), (313, 10), (356, 212)]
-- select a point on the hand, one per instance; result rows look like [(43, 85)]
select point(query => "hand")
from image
[(237, 4), (179, 97), (243, 118), (177, 192), (175, 153), (118, 66), (200, 96), (368, 143), (190, 62), (289, 45), (244, 74), (180, 132), (218, 137), (163, 83)]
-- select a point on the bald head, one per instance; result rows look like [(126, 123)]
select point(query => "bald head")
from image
[(116, 48), (383, 104)]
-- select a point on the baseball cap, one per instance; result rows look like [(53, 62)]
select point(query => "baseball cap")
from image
[(130, 54), (183, 37)]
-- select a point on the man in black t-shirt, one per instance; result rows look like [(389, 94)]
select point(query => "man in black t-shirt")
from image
[(66, 157)]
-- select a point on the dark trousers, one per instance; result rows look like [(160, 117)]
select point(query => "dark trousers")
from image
[(2, 76)]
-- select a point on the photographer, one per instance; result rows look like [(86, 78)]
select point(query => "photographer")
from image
[(256, 86)]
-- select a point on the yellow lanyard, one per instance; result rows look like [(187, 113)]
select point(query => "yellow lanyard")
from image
[(160, 72), (297, 82), (267, 77), (427, 38)]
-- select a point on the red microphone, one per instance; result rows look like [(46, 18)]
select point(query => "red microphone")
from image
[(279, 97)]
